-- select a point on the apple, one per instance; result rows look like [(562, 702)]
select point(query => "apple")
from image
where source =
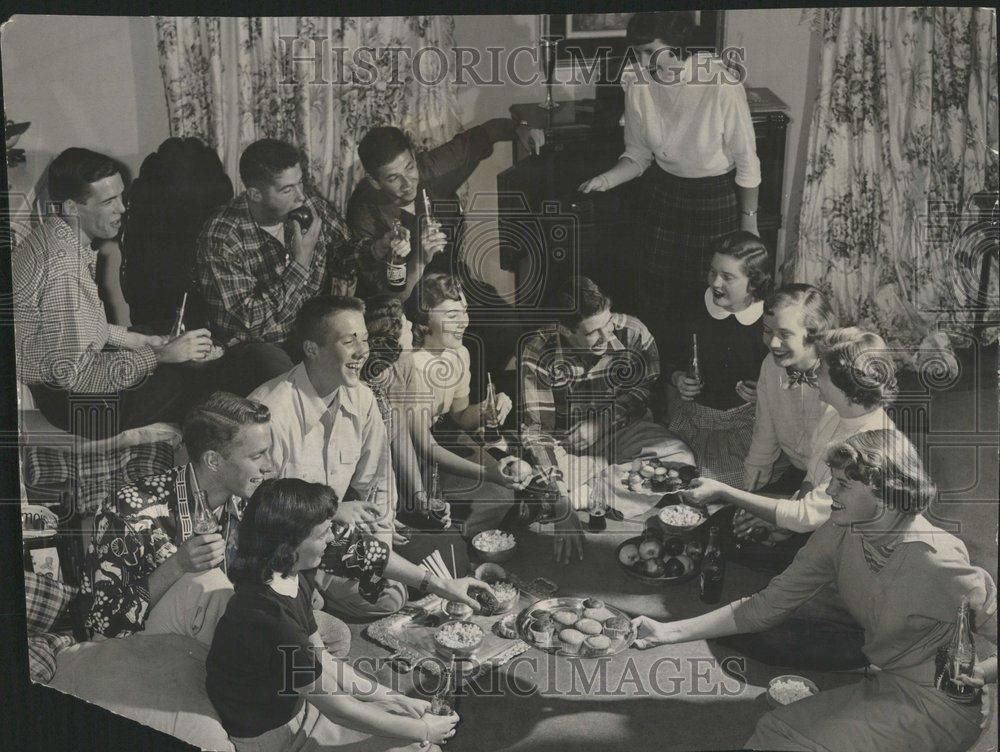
[(693, 549), (673, 567), (629, 555), (652, 568), (686, 561), (650, 549), (673, 547)]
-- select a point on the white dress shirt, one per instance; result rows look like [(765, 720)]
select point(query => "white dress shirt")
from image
[(338, 439), (696, 127)]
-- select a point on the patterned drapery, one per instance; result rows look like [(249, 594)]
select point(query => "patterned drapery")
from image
[(308, 80), (903, 133)]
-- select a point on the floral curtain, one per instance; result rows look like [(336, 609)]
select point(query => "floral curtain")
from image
[(318, 82), (903, 133)]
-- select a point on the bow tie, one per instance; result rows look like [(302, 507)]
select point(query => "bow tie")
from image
[(796, 377)]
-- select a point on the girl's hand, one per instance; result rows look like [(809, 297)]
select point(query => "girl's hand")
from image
[(701, 491), (749, 224), (689, 388), (747, 390), (977, 679), (403, 705), (440, 728), (598, 183), (652, 633), (518, 475)]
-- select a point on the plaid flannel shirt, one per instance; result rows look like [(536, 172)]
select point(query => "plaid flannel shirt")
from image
[(61, 332), (252, 288), (138, 529), (561, 386)]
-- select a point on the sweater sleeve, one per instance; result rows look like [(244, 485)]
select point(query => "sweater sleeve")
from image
[(738, 135), (637, 150), (811, 570), (805, 513), (764, 446)]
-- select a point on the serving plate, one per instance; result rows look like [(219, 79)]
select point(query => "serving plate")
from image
[(554, 646)]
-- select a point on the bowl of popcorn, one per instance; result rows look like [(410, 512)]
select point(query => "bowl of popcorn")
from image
[(789, 688), (494, 546), (681, 518), (458, 638)]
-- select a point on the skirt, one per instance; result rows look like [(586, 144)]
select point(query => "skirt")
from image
[(679, 223), (720, 439)]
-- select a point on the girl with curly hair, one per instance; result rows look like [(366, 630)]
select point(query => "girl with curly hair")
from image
[(900, 578)]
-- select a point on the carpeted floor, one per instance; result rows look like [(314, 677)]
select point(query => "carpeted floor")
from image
[(677, 697)]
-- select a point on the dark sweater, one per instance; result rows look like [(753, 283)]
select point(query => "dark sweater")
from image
[(728, 352), (250, 681)]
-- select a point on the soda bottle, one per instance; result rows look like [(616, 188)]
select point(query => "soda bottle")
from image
[(694, 368), (713, 569), (960, 658), (598, 506), (438, 506), (395, 264), (443, 701), (202, 520)]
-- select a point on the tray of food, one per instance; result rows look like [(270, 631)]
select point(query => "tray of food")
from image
[(447, 631), (659, 558), (586, 627), (651, 475)]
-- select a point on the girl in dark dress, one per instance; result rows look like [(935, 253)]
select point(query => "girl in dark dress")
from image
[(715, 414)]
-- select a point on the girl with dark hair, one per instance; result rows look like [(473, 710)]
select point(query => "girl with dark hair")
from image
[(713, 412), (688, 133), (268, 675), (900, 578)]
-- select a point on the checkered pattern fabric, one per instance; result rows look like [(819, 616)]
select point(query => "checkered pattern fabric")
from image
[(42, 652), (45, 601), (60, 327), (719, 439), (251, 286), (560, 385), (677, 227), (94, 475)]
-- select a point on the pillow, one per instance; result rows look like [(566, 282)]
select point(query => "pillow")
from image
[(45, 601), (155, 680)]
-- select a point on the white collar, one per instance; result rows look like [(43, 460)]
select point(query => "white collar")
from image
[(287, 586), (749, 315)]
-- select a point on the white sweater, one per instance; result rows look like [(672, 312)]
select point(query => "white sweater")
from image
[(813, 509), (785, 421)]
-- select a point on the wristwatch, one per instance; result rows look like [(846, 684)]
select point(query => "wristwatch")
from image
[(748, 213)]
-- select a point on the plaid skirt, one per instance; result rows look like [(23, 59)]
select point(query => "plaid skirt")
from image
[(679, 222), (720, 439)]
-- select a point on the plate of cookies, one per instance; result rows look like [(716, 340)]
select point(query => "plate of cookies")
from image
[(585, 627), (651, 475)]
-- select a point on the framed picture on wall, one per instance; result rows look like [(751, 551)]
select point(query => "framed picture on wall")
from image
[(586, 35)]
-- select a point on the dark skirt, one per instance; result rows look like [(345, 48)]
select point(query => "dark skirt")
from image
[(680, 221)]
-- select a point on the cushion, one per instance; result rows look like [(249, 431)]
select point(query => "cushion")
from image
[(155, 680), (45, 599)]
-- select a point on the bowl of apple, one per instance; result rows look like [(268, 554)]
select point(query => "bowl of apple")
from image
[(660, 559)]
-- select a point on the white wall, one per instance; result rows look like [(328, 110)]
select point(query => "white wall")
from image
[(82, 81), (780, 56)]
